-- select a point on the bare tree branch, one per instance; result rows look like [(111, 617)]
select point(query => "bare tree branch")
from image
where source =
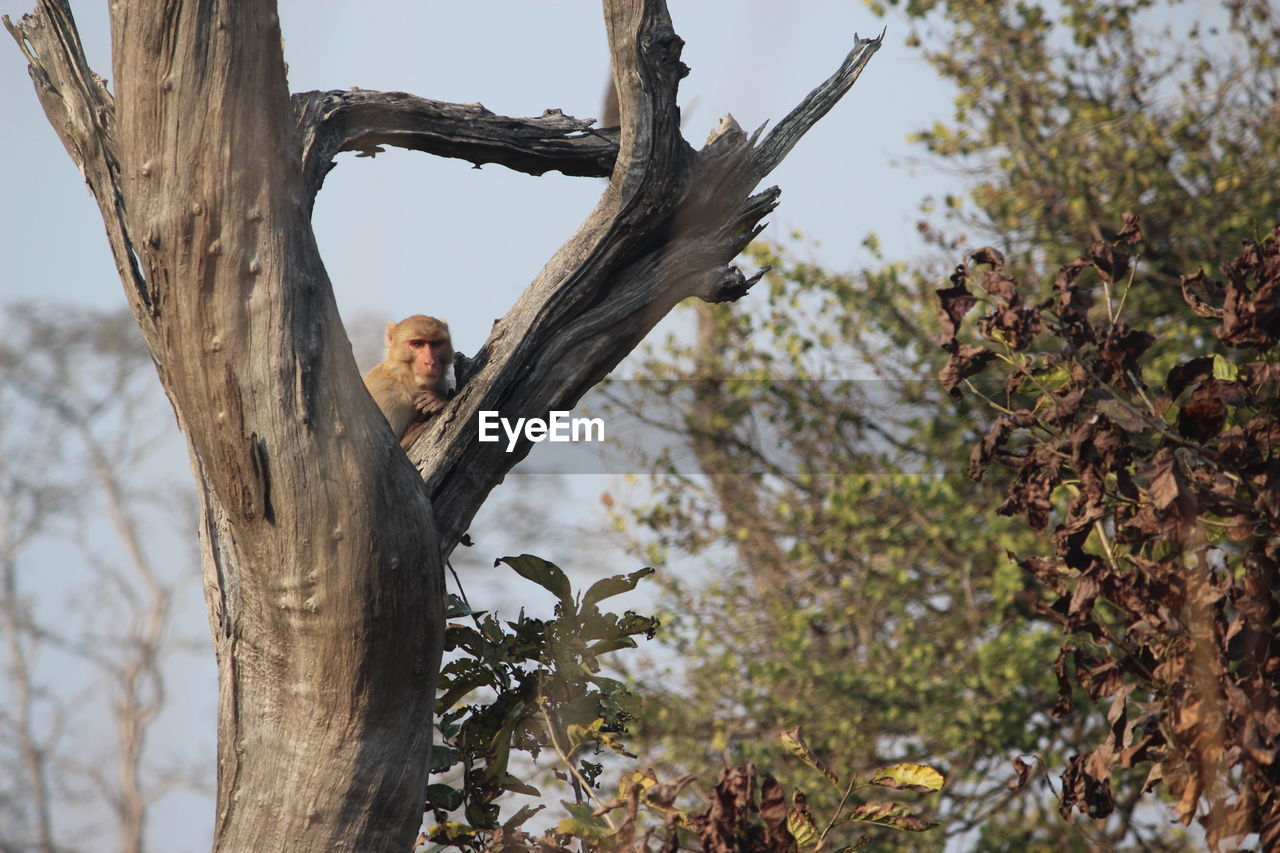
[(359, 120), (80, 377), (667, 228), (82, 112), (816, 104)]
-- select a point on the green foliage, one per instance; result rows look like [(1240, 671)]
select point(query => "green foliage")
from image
[(861, 575), (858, 568), (527, 685), (861, 587), (542, 690), (1162, 487), (1068, 112), (899, 777)]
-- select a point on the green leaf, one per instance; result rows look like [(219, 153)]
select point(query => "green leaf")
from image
[(892, 815), (444, 833), (612, 644), (461, 687), (545, 574), (908, 777), (609, 686), (611, 740), (442, 758), (455, 607), (445, 797), (1223, 369), (582, 823), (519, 786), (608, 587), (482, 815), (500, 751), (578, 828), (802, 828), (578, 734), (462, 636)]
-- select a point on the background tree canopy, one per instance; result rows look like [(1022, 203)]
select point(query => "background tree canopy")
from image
[(857, 581)]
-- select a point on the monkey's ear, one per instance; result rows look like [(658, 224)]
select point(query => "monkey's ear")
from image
[(391, 335)]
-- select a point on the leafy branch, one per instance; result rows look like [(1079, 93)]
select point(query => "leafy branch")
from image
[(900, 777)]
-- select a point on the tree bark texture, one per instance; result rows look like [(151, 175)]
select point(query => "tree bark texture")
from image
[(322, 545)]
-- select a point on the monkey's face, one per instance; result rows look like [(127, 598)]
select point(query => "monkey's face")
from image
[(423, 344), (431, 358)]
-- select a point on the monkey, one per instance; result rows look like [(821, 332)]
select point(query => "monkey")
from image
[(412, 383)]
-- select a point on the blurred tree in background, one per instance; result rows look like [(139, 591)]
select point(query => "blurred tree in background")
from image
[(1068, 113), (848, 569), (95, 608)]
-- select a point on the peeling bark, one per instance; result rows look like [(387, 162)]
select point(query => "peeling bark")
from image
[(322, 546)]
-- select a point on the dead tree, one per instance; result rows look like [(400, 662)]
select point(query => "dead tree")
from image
[(322, 543)]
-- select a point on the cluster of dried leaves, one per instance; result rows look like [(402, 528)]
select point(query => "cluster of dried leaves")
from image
[(737, 820), (750, 813), (1163, 493)]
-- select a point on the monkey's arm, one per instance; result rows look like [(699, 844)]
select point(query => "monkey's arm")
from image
[(396, 406), (430, 402)]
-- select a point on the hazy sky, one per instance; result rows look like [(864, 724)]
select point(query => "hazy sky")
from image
[(406, 233)]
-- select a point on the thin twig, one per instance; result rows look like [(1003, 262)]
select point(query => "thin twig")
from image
[(551, 722), (853, 783)]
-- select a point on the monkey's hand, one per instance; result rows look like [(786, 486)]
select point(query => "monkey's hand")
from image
[(430, 403)]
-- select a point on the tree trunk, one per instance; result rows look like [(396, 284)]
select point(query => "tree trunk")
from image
[(322, 575), (322, 545)]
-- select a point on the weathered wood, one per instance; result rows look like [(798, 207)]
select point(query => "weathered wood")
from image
[(322, 579), (321, 544), (360, 120), (82, 113), (324, 591), (816, 104)]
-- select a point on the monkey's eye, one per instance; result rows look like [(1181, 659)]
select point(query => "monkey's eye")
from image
[(417, 343)]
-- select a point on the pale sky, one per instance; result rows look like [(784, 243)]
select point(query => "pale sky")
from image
[(407, 233)]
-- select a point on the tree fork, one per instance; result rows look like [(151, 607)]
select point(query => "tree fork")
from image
[(322, 547)]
